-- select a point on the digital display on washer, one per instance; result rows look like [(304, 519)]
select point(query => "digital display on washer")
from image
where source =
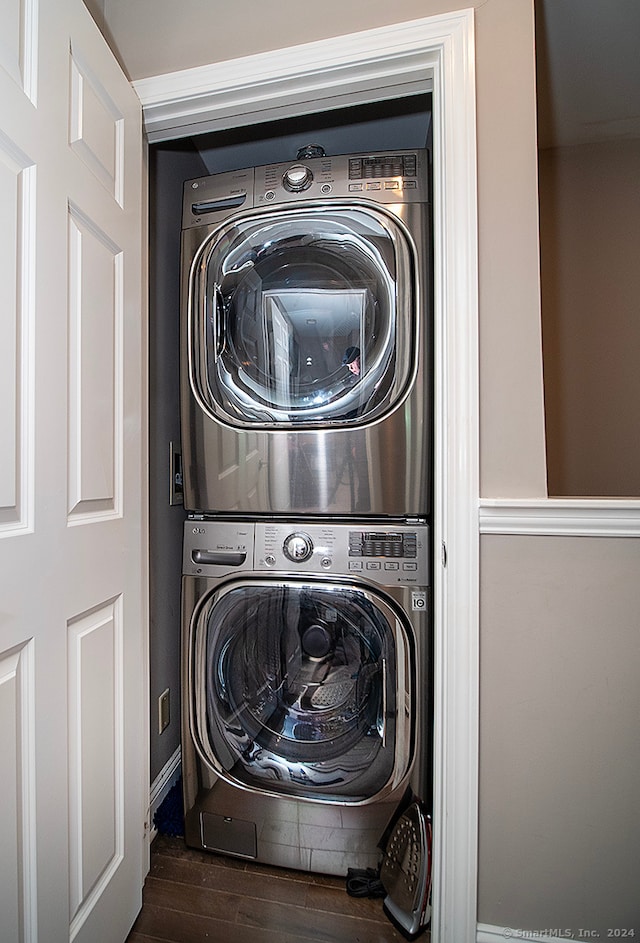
[(386, 165), (382, 544)]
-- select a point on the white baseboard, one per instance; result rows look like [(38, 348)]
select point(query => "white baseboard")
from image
[(166, 778), (486, 933)]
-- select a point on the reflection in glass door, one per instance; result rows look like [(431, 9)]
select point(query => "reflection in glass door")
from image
[(302, 320), (299, 690)]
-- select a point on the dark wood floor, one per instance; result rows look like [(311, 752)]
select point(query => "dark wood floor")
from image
[(192, 896)]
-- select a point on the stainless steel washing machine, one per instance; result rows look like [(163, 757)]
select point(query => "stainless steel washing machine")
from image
[(306, 691), (305, 341)]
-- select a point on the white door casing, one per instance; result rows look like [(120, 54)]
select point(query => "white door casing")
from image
[(73, 717), (436, 53)]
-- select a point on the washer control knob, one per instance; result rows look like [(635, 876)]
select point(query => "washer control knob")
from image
[(297, 178), (298, 547)]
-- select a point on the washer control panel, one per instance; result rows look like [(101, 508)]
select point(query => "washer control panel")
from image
[(377, 543), (388, 554)]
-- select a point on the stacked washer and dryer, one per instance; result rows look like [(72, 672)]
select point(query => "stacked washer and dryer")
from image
[(306, 426)]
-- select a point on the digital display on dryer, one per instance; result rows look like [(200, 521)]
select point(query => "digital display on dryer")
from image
[(385, 165)]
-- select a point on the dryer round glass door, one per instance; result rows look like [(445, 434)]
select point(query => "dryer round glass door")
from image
[(303, 689), (303, 316)]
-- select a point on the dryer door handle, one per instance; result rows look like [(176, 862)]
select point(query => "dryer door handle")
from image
[(218, 557), (221, 203)]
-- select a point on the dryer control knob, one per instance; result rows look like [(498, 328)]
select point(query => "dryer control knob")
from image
[(297, 178), (298, 547)]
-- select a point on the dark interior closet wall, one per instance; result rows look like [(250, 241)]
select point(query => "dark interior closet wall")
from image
[(169, 165), (396, 124)]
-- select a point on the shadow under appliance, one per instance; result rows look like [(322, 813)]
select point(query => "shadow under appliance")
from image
[(306, 687), (305, 348)]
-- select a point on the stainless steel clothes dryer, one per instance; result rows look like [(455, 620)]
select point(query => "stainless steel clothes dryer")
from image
[(305, 338), (306, 701)]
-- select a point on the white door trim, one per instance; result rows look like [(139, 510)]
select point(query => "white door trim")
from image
[(435, 54), (373, 65)]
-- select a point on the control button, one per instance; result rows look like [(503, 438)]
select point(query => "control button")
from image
[(410, 566), (326, 188), (392, 566), (355, 565), (409, 165), (326, 562), (410, 184), (373, 565), (297, 178), (354, 187), (298, 547), (270, 560), (374, 186), (270, 195), (391, 185)]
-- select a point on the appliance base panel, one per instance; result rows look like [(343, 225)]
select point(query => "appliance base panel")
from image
[(288, 833)]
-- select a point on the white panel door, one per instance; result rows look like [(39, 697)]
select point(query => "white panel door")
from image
[(73, 739)]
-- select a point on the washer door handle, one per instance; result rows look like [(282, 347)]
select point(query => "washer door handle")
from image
[(218, 557), (219, 319)]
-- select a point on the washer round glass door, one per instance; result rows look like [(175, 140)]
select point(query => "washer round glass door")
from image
[(296, 689), (303, 316)]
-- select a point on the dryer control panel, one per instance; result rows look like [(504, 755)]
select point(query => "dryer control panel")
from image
[(388, 554), (389, 177), (385, 177)]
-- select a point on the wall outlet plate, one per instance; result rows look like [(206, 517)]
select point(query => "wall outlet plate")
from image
[(164, 711), (176, 493)]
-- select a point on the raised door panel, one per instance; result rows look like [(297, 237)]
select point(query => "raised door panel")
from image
[(95, 371), (17, 824), (96, 737), (96, 126), (17, 197), (19, 43)]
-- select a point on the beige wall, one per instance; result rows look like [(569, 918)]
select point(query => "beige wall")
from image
[(590, 243), (96, 9), (559, 757)]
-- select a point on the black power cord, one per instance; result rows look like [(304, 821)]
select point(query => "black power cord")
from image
[(364, 882)]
